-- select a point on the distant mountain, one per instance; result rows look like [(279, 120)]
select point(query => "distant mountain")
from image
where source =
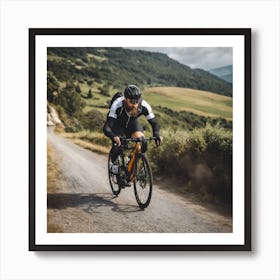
[(224, 73), (118, 67)]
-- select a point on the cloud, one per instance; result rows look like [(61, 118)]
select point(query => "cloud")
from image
[(197, 57)]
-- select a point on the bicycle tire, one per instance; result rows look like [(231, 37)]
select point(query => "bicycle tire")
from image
[(115, 187), (140, 182)]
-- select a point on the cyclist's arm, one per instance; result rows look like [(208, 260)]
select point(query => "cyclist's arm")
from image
[(107, 128), (155, 127), (148, 112)]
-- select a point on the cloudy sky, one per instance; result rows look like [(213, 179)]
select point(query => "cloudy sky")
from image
[(205, 58)]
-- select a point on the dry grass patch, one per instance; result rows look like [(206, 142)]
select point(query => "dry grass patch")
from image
[(177, 92), (53, 170), (90, 146), (93, 141)]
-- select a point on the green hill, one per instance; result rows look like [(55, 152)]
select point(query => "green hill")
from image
[(199, 102), (82, 81), (117, 67)]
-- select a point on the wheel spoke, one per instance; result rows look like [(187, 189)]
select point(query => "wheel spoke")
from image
[(143, 182)]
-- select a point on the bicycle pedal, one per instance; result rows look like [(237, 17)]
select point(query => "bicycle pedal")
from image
[(126, 184)]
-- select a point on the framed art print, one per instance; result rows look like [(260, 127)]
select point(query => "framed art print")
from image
[(187, 186)]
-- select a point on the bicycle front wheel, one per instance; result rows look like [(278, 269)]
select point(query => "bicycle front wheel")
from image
[(116, 188), (143, 181)]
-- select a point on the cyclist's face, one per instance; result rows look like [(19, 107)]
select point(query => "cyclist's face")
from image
[(131, 103)]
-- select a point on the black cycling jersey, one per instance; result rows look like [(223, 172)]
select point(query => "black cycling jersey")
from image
[(119, 122)]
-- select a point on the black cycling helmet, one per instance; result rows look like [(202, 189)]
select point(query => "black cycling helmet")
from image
[(132, 92)]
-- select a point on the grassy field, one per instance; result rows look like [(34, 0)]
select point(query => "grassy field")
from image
[(196, 101), (98, 99), (179, 99)]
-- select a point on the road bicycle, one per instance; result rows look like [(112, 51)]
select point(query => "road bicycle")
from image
[(132, 166)]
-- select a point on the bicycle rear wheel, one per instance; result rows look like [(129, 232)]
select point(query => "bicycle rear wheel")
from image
[(116, 188), (143, 181)]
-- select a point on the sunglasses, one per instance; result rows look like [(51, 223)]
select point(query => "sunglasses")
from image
[(133, 101)]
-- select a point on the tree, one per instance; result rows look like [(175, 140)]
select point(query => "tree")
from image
[(78, 89), (71, 101), (90, 82), (52, 87), (90, 95)]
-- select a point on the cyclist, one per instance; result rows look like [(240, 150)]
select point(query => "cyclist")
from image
[(122, 119)]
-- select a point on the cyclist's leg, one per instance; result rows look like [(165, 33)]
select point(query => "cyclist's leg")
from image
[(137, 134), (115, 149), (136, 131), (114, 153)]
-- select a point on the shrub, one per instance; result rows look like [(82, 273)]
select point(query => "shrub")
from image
[(165, 158), (93, 120), (70, 100), (78, 89), (90, 82), (90, 95), (53, 87), (202, 158), (73, 125)]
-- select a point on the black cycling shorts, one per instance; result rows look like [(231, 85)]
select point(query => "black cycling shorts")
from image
[(133, 126)]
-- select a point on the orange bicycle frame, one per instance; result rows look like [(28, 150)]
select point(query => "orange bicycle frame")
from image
[(132, 160)]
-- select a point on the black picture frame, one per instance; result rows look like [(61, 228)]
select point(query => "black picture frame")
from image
[(245, 32)]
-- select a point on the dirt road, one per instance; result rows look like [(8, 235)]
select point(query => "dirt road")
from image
[(84, 202)]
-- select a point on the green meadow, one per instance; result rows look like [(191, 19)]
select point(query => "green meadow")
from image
[(196, 101), (199, 102)]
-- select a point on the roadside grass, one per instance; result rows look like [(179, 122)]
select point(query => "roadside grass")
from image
[(199, 102), (90, 146), (52, 185), (93, 141), (200, 160), (53, 170)]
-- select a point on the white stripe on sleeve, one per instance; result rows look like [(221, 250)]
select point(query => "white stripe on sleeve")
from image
[(150, 114), (116, 104)]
